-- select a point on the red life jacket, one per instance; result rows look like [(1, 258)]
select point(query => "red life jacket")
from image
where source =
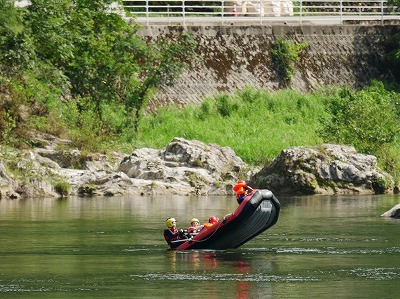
[(191, 229)]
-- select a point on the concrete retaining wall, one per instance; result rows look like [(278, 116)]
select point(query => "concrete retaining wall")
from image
[(232, 57)]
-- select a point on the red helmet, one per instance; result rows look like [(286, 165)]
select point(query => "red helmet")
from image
[(213, 219), (241, 182)]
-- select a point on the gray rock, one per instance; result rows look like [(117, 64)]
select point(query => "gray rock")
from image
[(186, 167), (393, 212), (189, 164), (325, 169)]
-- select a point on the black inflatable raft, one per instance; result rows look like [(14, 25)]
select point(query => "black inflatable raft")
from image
[(257, 213)]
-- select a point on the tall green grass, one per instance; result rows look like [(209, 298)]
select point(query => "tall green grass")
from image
[(256, 124)]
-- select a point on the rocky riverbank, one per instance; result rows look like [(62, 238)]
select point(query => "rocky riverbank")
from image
[(184, 167)]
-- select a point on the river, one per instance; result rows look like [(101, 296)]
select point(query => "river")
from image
[(321, 247)]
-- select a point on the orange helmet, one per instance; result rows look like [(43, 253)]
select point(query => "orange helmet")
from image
[(213, 219)]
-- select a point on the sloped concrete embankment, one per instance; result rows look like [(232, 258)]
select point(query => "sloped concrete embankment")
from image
[(232, 57)]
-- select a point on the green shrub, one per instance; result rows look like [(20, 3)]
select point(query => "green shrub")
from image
[(285, 54), (62, 187), (367, 119), (226, 105)]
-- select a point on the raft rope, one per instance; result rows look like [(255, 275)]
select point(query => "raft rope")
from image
[(199, 241)]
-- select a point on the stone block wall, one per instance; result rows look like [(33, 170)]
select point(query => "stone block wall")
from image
[(232, 57)]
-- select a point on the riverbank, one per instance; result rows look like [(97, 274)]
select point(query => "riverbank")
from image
[(186, 167)]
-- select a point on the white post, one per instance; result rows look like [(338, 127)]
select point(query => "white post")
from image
[(183, 12), (147, 12), (301, 12), (222, 11)]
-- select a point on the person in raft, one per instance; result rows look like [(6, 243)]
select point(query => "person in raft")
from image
[(211, 221), (194, 227), (242, 190), (171, 234)]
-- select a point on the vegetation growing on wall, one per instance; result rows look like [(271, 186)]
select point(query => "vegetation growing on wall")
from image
[(285, 54)]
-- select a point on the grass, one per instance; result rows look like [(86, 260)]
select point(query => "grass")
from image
[(256, 124)]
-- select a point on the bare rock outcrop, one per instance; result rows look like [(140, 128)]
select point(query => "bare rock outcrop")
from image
[(197, 167), (185, 167), (393, 212), (325, 169)]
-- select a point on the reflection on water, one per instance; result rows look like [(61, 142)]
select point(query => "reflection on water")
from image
[(113, 248)]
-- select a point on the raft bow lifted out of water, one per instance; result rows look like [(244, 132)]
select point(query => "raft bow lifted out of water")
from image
[(257, 213)]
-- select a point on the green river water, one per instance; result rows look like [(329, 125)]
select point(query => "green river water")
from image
[(321, 247)]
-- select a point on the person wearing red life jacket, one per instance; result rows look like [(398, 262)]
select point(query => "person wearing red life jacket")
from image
[(211, 221), (242, 190), (194, 227), (171, 233)]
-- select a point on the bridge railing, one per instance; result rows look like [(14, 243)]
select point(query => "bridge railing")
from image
[(264, 10)]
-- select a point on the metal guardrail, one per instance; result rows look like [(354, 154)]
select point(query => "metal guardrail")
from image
[(264, 11)]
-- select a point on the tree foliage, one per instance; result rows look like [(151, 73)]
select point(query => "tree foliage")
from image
[(90, 57), (16, 51), (368, 119)]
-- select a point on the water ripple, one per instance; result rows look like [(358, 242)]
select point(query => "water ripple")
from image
[(21, 288), (339, 251), (374, 273), (224, 277)]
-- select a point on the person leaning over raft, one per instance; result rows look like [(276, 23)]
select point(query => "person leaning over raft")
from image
[(171, 234), (211, 221), (242, 190)]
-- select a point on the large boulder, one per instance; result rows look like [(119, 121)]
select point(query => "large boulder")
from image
[(393, 212), (185, 167), (198, 167), (325, 169), (7, 184)]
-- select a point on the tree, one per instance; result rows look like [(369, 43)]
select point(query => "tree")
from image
[(102, 55), (163, 63), (16, 51)]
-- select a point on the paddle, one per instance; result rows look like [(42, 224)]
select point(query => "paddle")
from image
[(181, 240)]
